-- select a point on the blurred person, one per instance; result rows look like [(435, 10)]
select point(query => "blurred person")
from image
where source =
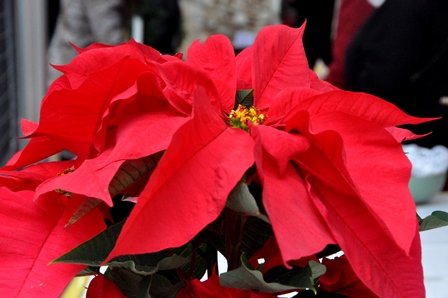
[(240, 20), (82, 22), (349, 17), (161, 23), (401, 55), (318, 15)]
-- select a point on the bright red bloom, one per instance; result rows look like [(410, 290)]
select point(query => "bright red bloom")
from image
[(329, 161), (106, 99)]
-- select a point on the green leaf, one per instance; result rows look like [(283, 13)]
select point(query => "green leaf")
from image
[(241, 200), (302, 278), (133, 171), (437, 219), (161, 287), (197, 262), (148, 264), (87, 206), (245, 98), (255, 233), (94, 251), (246, 278), (128, 282), (143, 288), (138, 286)]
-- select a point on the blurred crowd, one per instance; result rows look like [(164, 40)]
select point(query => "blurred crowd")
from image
[(395, 49)]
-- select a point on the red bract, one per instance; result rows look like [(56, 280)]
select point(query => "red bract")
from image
[(107, 98), (329, 162), (32, 176), (340, 278), (101, 287), (34, 234), (81, 106)]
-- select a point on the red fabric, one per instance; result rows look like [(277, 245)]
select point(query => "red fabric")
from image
[(351, 17)]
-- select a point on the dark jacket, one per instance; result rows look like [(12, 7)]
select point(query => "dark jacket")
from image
[(401, 55)]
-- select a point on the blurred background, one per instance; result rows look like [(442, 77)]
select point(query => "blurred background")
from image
[(395, 49)]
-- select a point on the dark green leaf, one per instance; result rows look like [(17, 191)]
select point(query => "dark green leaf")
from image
[(143, 287), (245, 98), (241, 200), (302, 278), (133, 171), (161, 287), (94, 251), (246, 278), (88, 271), (148, 264), (128, 282), (255, 234), (437, 219), (87, 206), (197, 259)]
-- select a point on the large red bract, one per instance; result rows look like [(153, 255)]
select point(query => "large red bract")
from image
[(329, 162)]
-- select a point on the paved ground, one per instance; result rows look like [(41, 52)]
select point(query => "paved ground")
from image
[(435, 251)]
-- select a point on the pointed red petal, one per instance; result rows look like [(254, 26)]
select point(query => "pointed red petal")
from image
[(279, 62), (371, 154), (72, 116), (340, 278), (76, 103), (389, 271), (402, 135), (362, 105), (365, 223), (286, 101), (35, 235), (318, 84), (101, 287), (98, 57), (37, 149), (244, 68), (154, 132), (299, 229), (30, 177), (190, 185), (216, 57), (181, 82)]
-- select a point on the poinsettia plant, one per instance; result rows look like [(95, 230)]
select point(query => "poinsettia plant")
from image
[(175, 160)]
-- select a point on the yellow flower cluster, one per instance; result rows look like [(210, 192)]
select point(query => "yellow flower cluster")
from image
[(242, 116)]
